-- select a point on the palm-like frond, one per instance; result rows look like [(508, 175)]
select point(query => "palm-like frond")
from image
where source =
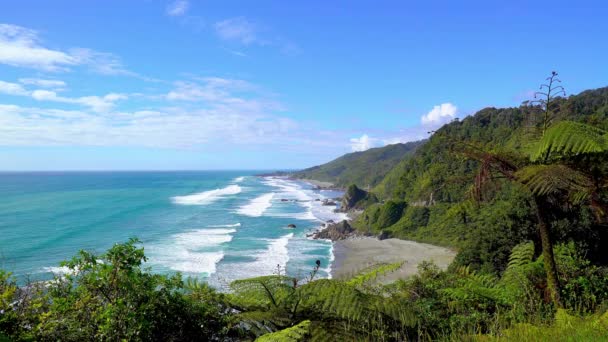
[(334, 299), (261, 292), (372, 274), (300, 332), (544, 180), (474, 288), (568, 138), (262, 322)]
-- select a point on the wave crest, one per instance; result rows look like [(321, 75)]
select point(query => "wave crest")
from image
[(206, 197), (257, 206)]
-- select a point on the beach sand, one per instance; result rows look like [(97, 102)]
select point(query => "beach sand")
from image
[(354, 255), (320, 184)]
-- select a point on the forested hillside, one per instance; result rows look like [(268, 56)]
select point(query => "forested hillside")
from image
[(365, 169), (435, 187)]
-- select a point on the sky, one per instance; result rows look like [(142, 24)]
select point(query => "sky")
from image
[(201, 85)]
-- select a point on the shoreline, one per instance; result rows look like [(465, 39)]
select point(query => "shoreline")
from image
[(353, 255)]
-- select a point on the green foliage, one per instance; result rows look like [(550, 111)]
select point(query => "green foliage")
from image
[(567, 328), (353, 309), (567, 138), (378, 217), (389, 214), (355, 198), (585, 286), (109, 297), (555, 179), (365, 169), (299, 332), (8, 291), (372, 274)]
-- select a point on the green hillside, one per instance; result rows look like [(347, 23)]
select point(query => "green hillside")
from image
[(365, 169), (436, 184)]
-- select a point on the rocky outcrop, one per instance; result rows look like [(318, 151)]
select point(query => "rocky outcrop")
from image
[(328, 201), (356, 199), (291, 225), (336, 231)]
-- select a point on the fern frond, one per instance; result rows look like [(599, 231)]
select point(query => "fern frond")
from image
[(543, 180), (474, 288), (260, 323), (332, 331), (333, 298), (372, 274), (521, 254), (261, 292), (300, 332), (568, 138)]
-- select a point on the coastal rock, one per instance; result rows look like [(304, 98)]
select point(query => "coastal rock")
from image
[(291, 225), (356, 198), (336, 231), (328, 202), (384, 235)]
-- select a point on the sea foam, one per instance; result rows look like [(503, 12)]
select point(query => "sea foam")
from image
[(194, 252), (239, 179), (257, 206), (266, 261), (225, 225), (206, 197), (290, 190)]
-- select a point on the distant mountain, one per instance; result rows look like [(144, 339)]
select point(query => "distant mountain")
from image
[(365, 169)]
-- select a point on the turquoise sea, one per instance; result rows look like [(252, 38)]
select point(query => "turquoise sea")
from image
[(216, 225)]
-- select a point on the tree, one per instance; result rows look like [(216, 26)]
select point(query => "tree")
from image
[(557, 166)]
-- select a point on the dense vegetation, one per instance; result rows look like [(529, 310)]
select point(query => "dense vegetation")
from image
[(438, 181), (521, 192), (111, 297), (365, 169)]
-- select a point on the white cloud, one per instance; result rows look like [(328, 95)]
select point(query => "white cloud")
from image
[(167, 128), (101, 62), (20, 47), (237, 29), (242, 31), (440, 114), (209, 89), (228, 111), (96, 103), (43, 83), (12, 89), (178, 8), (362, 143)]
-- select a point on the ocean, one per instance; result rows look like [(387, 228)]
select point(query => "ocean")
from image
[(213, 225)]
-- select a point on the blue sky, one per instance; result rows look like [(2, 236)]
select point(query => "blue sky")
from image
[(147, 84)]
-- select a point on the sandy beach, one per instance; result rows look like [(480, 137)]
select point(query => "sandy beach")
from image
[(354, 255), (320, 184)]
